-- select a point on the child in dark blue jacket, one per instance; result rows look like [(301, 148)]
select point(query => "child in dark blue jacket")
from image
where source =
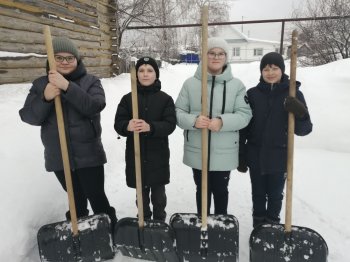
[(263, 143)]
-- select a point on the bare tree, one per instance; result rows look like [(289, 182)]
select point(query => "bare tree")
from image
[(162, 43), (128, 11), (165, 39), (190, 12), (329, 40)]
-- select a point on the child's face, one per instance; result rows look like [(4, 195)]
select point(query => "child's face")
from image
[(216, 60), (64, 67), (146, 75), (272, 74)]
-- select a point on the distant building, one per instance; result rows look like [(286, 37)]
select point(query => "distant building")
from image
[(189, 57), (245, 49), (303, 50)]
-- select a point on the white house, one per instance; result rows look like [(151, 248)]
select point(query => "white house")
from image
[(245, 49)]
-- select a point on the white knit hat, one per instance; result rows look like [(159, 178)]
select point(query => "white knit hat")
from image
[(218, 42)]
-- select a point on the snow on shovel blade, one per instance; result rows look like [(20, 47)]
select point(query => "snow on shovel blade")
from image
[(270, 243), (154, 242), (93, 243), (222, 237)]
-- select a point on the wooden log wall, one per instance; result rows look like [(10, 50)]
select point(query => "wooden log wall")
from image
[(88, 23)]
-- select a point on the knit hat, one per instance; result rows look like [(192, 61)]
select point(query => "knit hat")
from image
[(272, 58), (63, 44), (218, 42), (149, 61)]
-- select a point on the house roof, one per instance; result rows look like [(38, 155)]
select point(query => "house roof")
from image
[(232, 35)]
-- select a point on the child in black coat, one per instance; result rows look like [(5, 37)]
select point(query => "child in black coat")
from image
[(157, 120), (263, 143)]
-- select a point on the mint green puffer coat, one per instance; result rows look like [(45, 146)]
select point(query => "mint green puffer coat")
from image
[(228, 102)]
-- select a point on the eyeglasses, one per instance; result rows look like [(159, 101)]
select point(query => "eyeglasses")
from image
[(218, 55), (60, 59)]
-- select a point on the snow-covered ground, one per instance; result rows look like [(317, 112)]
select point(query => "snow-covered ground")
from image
[(31, 197)]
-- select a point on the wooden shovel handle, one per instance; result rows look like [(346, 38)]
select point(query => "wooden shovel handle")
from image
[(135, 115), (204, 113), (291, 127), (62, 135)]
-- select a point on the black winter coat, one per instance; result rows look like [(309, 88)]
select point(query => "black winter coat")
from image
[(81, 104), (158, 110), (264, 140)]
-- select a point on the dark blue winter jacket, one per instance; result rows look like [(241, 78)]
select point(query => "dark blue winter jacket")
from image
[(81, 105), (264, 140)]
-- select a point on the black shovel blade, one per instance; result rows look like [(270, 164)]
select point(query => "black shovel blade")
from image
[(270, 243), (222, 237), (154, 242), (93, 243)]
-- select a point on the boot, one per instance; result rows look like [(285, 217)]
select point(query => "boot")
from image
[(79, 214), (257, 221), (270, 220), (159, 217), (147, 214), (112, 217)]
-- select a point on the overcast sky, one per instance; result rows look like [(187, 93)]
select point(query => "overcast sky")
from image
[(261, 10)]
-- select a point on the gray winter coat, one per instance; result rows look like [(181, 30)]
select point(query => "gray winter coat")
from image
[(81, 104), (228, 103)]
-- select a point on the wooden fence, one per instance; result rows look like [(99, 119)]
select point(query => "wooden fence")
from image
[(87, 23)]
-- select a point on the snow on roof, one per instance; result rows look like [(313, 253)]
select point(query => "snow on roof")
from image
[(232, 31), (14, 54)]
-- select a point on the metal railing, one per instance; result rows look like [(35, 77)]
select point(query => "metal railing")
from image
[(282, 21)]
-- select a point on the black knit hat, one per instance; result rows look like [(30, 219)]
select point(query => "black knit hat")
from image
[(63, 44), (149, 61), (272, 58)]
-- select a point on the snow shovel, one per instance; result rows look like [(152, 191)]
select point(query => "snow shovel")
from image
[(277, 242), (206, 237), (87, 239), (149, 240)]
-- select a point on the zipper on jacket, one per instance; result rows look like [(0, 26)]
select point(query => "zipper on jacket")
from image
[(211, 98), (223, 99), (210, 116), (211, 112)]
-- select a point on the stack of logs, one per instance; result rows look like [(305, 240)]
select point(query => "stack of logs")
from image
[(88, 23)]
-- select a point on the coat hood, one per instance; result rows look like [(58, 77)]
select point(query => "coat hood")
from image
[(226, 75)]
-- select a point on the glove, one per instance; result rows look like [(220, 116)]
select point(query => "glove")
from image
[(242, 165), (293, 105)]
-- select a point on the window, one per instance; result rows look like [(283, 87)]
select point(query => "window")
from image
[(236, 51), (258, 51)]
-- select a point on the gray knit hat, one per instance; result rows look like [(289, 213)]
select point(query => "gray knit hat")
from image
[(63, 44), (218, 42)]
